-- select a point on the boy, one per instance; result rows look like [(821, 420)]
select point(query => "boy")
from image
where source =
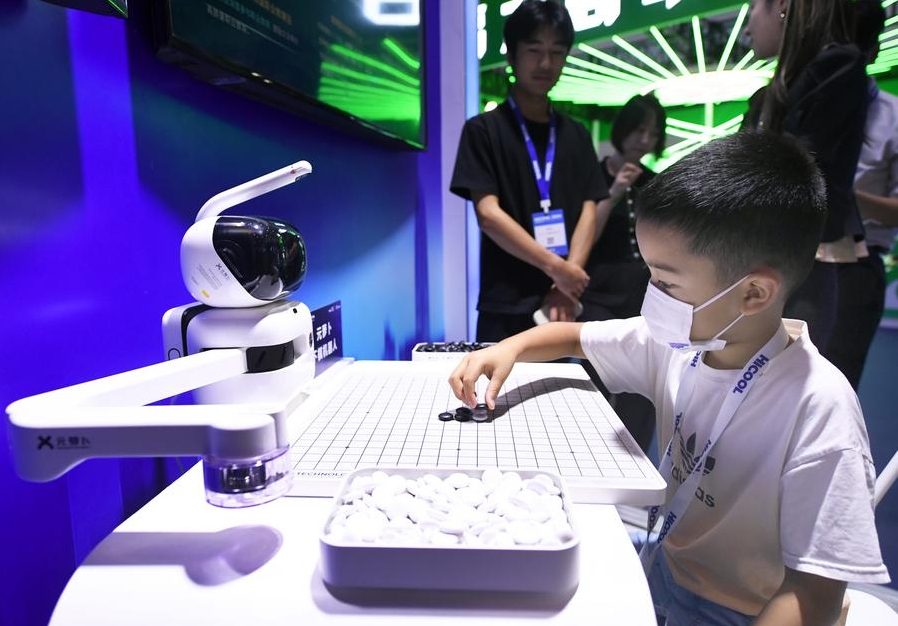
[(534, 178), (769, 509)]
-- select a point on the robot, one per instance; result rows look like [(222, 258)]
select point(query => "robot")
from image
[(243, 349)]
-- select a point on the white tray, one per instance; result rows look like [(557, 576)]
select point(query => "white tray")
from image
[(535, 568)]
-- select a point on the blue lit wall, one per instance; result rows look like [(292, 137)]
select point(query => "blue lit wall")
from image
[(106, 156)]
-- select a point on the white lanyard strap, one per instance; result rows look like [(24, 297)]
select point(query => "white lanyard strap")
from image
[(683, 496)]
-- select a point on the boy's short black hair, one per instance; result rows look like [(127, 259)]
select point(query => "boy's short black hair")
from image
[(533, 15), (870, 20), (631, 116), (746, 201)]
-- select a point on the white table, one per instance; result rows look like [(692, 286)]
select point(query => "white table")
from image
[(179, 560)]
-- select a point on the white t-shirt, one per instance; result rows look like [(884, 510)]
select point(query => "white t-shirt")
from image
[(788, 483)]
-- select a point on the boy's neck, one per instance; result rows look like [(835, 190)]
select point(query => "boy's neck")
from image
[(738, 353), (534, 107)]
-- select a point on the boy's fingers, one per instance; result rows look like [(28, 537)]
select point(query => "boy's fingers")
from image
[(497, 379), (492, 391), (462, 381)]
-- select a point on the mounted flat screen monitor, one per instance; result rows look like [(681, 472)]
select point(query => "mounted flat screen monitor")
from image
[(357, 64)]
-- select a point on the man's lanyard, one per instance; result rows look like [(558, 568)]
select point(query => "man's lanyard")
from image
[(542, 181), (683, 496)]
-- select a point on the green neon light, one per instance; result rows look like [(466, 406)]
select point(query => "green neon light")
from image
[(890, 34), (668, 50), (596, 69), (617, 62), (364, 91), (401, 54), (362, 77), (375, 64), (699, 45), (748, 57), (757, 65), (683, 125), (734, 35), (633, 50)]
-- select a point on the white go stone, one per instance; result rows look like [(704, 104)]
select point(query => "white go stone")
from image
[(443, 539), (458, 480), (491, 477), (472, 496), (525, 533), (497, 509)]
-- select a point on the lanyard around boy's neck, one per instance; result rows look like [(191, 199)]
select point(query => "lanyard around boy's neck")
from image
[(542, 180), (683, 496)]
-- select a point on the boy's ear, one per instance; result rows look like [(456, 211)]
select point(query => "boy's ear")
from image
[(762, 290)]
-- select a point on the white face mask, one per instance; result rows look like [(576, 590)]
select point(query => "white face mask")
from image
[(670, 320)]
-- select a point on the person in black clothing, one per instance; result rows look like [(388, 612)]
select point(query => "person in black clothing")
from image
[(617, 274), (862, 285), (818, 94), (534, 178)]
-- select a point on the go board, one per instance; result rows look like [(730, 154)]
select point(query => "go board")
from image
[(548, 416)]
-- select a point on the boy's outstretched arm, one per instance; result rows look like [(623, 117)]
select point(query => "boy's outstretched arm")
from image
[(804, 600), (542, 343)]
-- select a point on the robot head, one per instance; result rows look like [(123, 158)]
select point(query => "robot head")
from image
[(237, 261)]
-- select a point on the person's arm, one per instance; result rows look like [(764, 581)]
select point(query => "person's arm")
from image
[(804, 600), (498, 225), (628, 174), (880, 208), (584, 235), (561, 307), (541, 343)]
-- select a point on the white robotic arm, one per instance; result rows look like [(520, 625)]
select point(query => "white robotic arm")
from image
[(239, 430), (54, 431)]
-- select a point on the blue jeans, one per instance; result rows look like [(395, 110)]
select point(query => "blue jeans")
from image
[(682, 607)]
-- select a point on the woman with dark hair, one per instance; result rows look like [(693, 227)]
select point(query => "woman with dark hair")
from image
[(819, 95), (617, 274)]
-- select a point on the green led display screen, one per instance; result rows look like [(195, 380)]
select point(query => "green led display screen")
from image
[(598, 19), (350, 63)]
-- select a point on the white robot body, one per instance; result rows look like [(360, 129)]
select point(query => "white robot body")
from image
[(277, 339)]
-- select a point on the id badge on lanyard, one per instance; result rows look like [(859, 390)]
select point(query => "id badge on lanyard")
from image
[(683, 496), (548, 230), (548, 224)]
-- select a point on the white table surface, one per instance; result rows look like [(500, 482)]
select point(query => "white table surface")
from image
[(179, 560)]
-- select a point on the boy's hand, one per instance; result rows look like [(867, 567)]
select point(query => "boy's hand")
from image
[(494, 362)]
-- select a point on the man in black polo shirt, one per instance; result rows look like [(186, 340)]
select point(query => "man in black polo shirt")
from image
[(534, 178)]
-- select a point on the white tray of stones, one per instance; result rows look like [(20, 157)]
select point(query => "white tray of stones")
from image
[(451, 529)]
